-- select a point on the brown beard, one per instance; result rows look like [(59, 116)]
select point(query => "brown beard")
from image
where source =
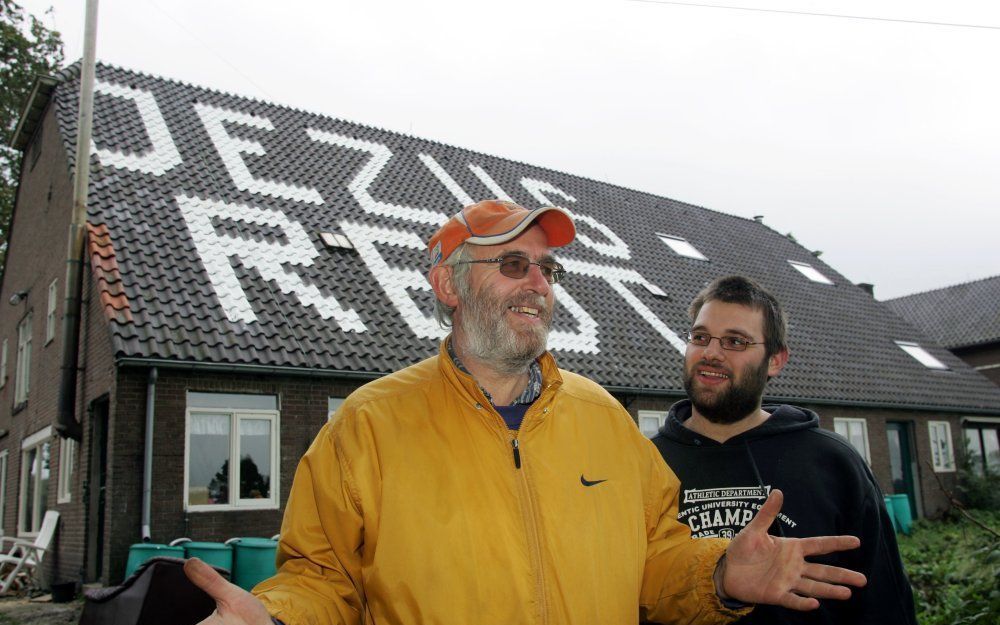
[(737, 402)]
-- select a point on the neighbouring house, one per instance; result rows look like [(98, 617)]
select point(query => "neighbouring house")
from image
[(249, 265), (965, 319)]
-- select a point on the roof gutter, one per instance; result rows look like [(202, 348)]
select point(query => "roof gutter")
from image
[(853, 403), (147, 466), (66, 424), (187, 365)]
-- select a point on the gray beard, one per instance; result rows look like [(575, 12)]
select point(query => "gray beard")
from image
[(488, 339)]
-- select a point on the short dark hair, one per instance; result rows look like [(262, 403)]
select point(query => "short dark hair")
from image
[(741, 290)]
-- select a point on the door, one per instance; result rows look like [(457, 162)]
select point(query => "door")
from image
[(901, 461), (97, 477)]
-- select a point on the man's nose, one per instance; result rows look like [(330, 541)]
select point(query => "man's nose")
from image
[(714, 351), (536, 280)]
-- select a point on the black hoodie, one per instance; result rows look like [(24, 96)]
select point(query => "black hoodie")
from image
[(829, 490)]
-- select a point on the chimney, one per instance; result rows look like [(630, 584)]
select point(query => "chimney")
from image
[(867, 288)]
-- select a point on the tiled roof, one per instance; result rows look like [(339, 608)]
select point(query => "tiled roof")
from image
[(955, 316), (104, 266), (216, 203)]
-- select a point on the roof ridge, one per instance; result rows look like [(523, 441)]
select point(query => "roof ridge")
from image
[(941, 288)]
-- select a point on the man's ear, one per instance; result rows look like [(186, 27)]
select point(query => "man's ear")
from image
[(776, 362), (441, 279)]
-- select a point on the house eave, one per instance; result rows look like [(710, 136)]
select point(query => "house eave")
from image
[(187, 365), (34, 109)]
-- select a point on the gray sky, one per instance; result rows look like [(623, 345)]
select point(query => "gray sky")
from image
[(876, 142)]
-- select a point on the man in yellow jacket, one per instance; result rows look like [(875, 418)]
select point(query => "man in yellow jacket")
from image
[(485, 485)]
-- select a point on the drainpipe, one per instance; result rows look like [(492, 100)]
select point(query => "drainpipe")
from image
[(147, 469), (66, 424)]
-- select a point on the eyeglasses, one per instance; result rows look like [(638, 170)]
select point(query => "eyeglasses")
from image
[(731, 343), (516, 266)]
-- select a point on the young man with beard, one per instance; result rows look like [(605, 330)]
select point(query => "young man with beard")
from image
[(485, 485), (729, 452)]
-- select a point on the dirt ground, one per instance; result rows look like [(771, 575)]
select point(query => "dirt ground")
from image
[(38, 611)]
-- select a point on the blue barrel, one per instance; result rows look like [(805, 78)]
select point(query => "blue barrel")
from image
[(892, 515), (140, 552), (253, 560), (901, 510), (216, 554)]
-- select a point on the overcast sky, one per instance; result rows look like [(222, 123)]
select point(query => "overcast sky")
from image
[(877, 142)]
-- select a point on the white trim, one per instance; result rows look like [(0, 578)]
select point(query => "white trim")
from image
[(988, 367), (3, 364), (847, 421), (659, 415), (235, 503), (980, 420), (37, 437), (50, 312), (3, 490), (944, 464), (67, 464)]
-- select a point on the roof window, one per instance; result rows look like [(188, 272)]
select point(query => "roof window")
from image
[(681, 246), (810, 272), (921, 354)]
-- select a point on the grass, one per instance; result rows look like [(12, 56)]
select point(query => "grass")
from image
[(954, 567)]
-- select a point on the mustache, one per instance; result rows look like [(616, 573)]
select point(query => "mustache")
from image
[(532, 301)]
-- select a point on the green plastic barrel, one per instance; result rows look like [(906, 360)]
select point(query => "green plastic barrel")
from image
[(253, 560), (892, 515), (140, 552), (901, 510), (216, 554)]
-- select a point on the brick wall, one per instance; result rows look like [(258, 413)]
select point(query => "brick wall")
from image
[(302, 412)]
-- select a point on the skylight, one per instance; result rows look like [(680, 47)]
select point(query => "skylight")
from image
[(810, 272), (681, 246), (921, 354)]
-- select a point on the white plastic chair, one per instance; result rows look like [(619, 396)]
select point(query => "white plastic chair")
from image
[(21, 559)]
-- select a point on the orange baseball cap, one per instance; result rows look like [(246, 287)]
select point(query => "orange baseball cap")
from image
[(492, 222)]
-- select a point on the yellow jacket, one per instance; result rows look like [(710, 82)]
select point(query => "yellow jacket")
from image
[(408, 509)]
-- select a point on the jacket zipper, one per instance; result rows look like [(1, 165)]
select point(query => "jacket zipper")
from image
[(531, 529)]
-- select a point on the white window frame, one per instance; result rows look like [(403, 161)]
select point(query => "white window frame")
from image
[(36, 440), (921, 355), (3, 490), (22, 370), (3, 364), (50, 312), (681, 246), (659, 415), (810, 272), (332, 405), (67, 464), (235, 503), (942, 449), (846, 422)]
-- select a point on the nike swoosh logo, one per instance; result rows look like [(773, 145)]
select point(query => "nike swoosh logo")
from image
[(587, 482)]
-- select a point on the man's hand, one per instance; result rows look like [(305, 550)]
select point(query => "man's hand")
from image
[(760, 568), (233, 605)]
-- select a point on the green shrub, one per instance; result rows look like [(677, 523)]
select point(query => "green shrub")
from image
[(979, 491), (954, 567)]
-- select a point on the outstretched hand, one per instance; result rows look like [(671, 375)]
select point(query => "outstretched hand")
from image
[(760, 568), (233, 605)]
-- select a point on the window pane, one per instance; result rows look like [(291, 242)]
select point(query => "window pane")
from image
[(30, 458), (840, 427), (974, 450), (232, 401), (649, 426), (208, 469), (992, 448), (255, 458), (43, 487)]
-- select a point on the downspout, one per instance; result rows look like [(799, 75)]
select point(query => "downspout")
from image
[(66, 424), (147, 468)]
